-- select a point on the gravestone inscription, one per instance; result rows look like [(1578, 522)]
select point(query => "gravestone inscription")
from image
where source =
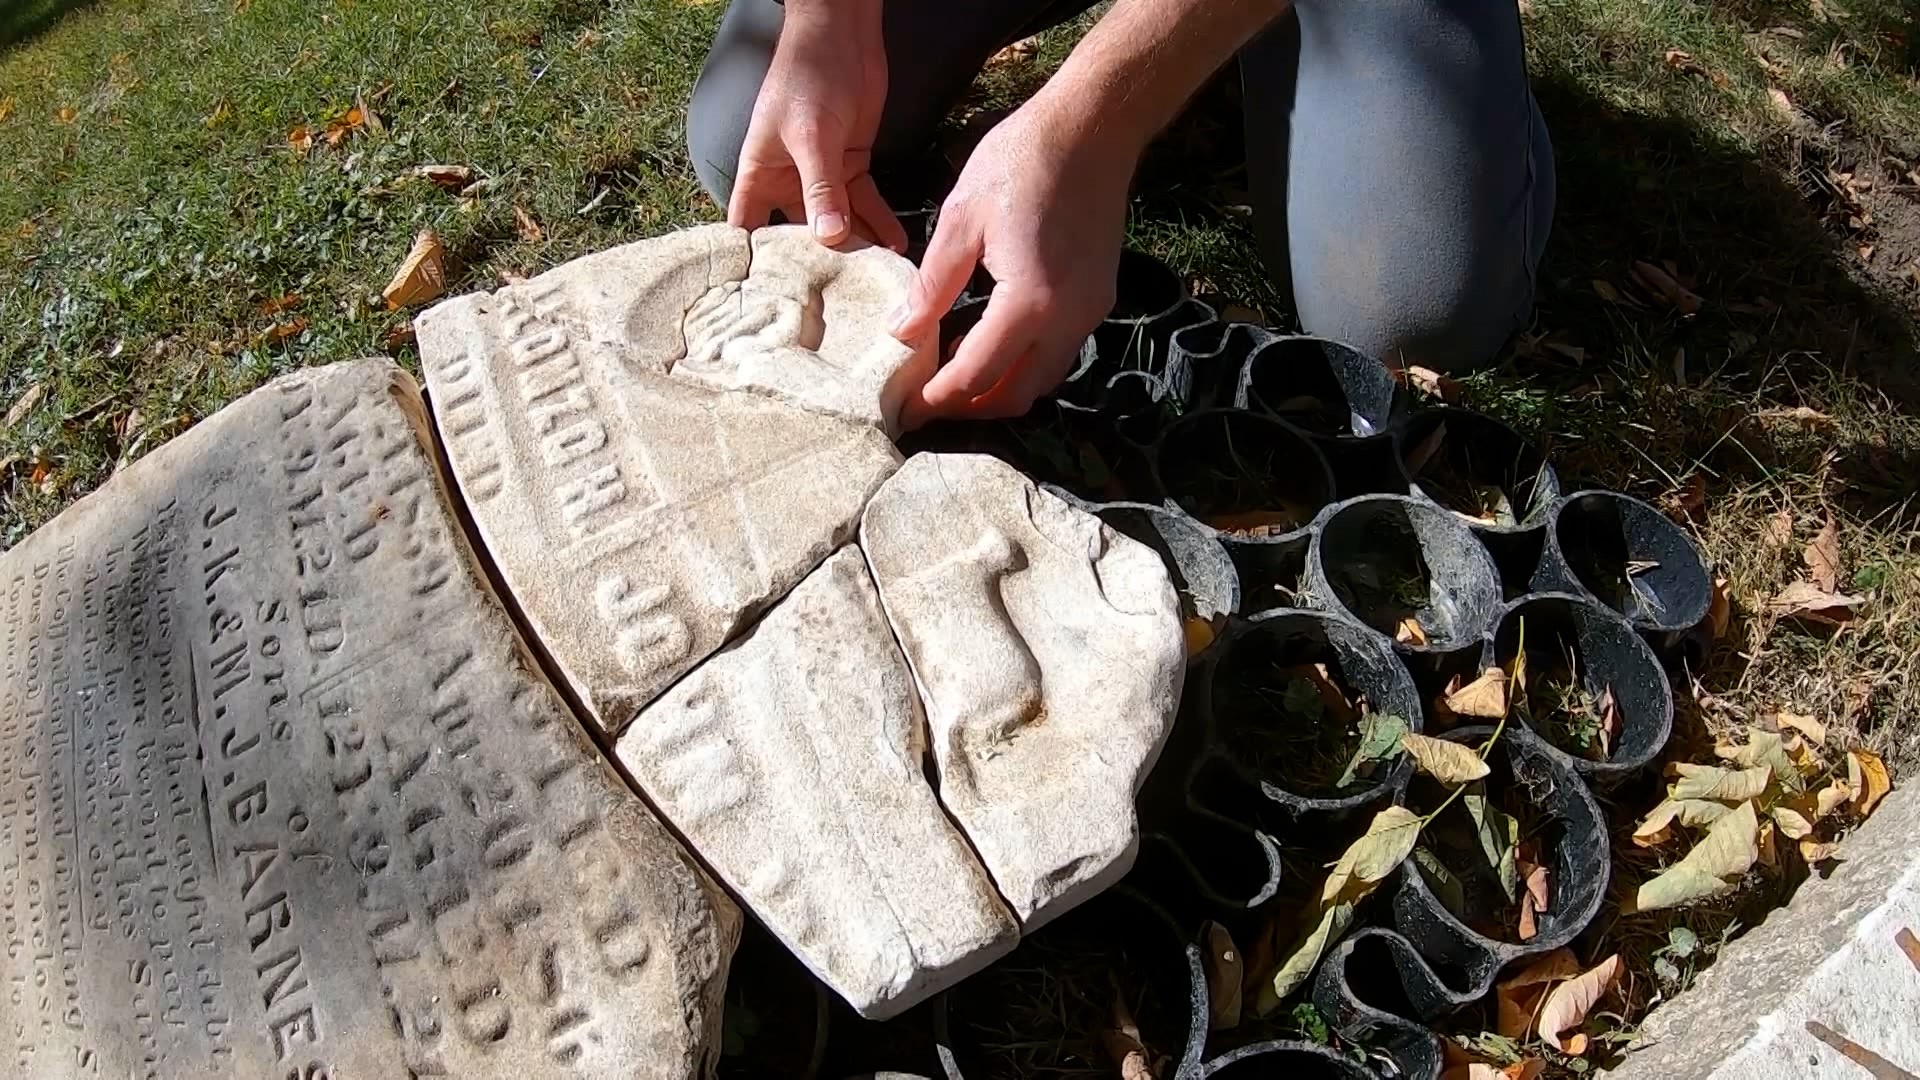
[(283, 795)]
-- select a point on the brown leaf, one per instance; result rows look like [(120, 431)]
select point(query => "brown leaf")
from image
[(422, 277), (1518, 995), (7, 106), (1439, 717), (1814, 730), (1720, 610), (1485, 698), (1832, 797), (1410, 632), (1764, 846), (1682, 61), (1430, 383), (1686, 502), (1868, 776), (1608, 711), (1806, 601), (1823, 557), (526, 226), (1225, 969), (24, 405), (1800, 416), (42, 473), (397, 337), (1338, 707), (300, 139), (1662, 286), (279, 304), (284, 330), (1533, 901), (65, 114), (1017, 53), (1781, 101), (345, 124), (1123, 1045), (1779, 529), (450, 178), (1199, 634), (1569, 1003), (1815, 851)]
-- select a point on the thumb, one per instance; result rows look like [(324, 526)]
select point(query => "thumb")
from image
[(945, 269), (821, 161)]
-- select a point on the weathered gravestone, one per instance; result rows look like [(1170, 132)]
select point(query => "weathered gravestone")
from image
[(282, 793), (1828, 986), (658, 443)]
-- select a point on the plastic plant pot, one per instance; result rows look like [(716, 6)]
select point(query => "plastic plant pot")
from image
[(1272, 571), (1207, 360), (1580, 654), (1478, 468), (1628, 556), (1240, 474), (1272, 720), (1364, 465), (1362, 988), (1202, 574), (1322, 386), (1382, 560), (1553, 806), (1284, 1058)]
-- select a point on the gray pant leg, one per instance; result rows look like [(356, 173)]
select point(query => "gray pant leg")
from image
[(1401, 176), (934, 49)]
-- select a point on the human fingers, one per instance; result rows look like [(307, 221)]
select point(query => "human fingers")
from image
[(986, 355), (872, 210), (1027, 380), (819, 152), (952, 253)]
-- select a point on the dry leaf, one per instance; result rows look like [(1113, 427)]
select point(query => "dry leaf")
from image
[(1813, 729), (1608, 710), (1813, 851), (1685, 502), (1447, 762), (1253, 522), (283, 331), (422, 277), (24, 405), (1714, 782), (1518, 995), (1430, 382), (1607, 292), (526, 226), (1780, 100), (1831, 798), (1714, 866), (300, 139), (345, 124), (1410, 632), (279, 304), (1867, 775), (1122, 1042), (1533, 901), (1485, 698), (1823, 557), (1657, 827), (446, 177), (1801, 415), (1225, 969), (1792, 824), (1764, 845), (398, 337), (1660, 284), (1569, 1003), (1388, 841), (7, 107), (1808, 602), (1780, 529), (1016, 53), (65, 114), (1200, 634), (1720, 610)]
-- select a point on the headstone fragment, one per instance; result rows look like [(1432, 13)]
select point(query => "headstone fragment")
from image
[(1049, 652), (641, 520), (283, 795), (792, 760), (1827, 986)]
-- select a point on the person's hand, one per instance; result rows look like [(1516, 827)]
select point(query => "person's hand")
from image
[(1042, 204), (810, 141)]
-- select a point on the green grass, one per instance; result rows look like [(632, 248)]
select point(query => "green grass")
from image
[(150, 205)]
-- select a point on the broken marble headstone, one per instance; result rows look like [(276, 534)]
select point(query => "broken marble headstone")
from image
[(644, 502), (282, 794), (1048, 650), (792, 760)]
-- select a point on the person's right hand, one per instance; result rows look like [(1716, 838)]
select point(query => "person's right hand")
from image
[(810, 141)]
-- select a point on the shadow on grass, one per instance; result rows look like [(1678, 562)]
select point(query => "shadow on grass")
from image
[(22, 20)]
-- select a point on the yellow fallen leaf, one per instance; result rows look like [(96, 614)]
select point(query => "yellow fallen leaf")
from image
[(222, 112), (1485, 698), (1832, 797), (1388, 841), (422, 277), (1764, 845), (1657, 828), (1814, 852), (1712, 868), (1225, 969), (1410, 632), (1769, 749), (1714, 782), (1822, 557), (1200, 634), (1517, 997), (7, 107), (1872, 783), (1791, 823), (1333, 922), (1447, 762), (1568, 1004), (1805, 725), (65, 114)]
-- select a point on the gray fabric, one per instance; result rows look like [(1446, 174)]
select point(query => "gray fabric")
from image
[(1401, 175)]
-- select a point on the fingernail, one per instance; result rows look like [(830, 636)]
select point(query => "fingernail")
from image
[(829, 225)]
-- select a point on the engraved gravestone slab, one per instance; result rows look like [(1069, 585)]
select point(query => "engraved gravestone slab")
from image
[(792, 761), (282, 795), (1048, 650), (645, 502)]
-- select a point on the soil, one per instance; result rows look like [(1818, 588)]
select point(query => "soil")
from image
[(1293, 728), (1890, 224)]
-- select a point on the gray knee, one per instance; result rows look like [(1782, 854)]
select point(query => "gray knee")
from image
[(723, 97)]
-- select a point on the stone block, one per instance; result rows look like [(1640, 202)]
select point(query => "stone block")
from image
[(792, 761), (283, 794), (1828, 986), (1048, 651)]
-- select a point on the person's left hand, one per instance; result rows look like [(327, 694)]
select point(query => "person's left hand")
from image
[(1042, 204)]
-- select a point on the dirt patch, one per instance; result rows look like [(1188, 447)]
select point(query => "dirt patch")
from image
[(1876, 206)]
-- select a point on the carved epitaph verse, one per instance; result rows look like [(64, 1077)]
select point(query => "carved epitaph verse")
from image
[(281, 796), (641, 519)]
